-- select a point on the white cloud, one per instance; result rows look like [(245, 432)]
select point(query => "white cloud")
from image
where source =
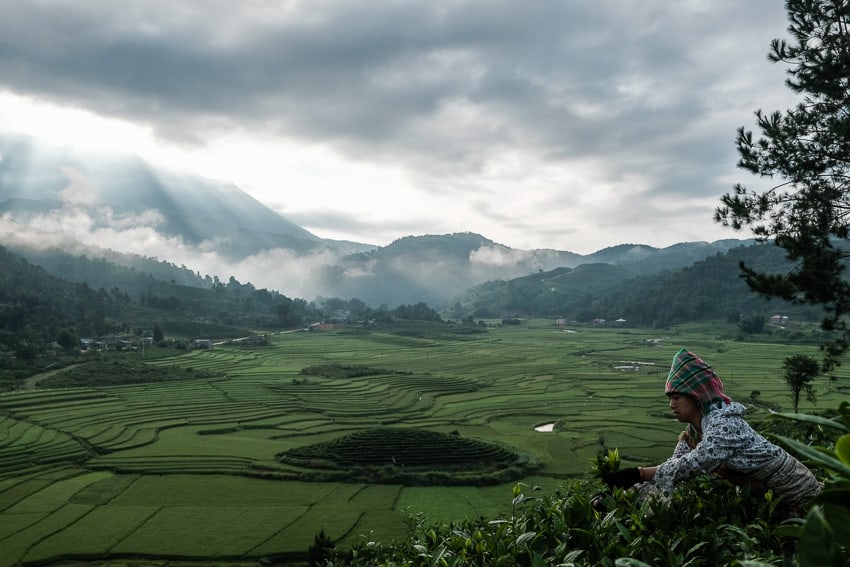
[(497, 256), (79, 191), (86, 231), (539, 124)]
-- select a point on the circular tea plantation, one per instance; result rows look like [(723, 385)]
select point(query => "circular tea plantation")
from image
[(412, 457)]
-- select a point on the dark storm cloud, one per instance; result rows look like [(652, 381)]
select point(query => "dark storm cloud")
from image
[(654, 88)]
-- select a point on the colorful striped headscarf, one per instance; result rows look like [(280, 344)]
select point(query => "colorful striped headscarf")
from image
[(691, 375)]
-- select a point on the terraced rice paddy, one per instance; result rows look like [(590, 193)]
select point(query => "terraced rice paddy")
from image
[(192, 468)]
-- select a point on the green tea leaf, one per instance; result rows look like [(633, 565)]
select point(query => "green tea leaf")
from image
[(838, 518), (630, 562), (614, 460), (836, 492), (842, 449), (788, 530), (696, 547), (844, 412), (818, 546), (807, 418), (816, 456)]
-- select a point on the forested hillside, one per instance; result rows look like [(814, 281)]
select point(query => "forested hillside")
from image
[(40, 311), (107, 268), (44, 315), (120, 299), (35, 307), (710, 289)]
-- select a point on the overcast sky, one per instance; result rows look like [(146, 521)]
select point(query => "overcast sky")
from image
[(572, 124)]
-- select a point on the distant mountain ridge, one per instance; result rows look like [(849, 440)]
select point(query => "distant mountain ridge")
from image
[(709, 289), (127, 200), (438, 268), (647, 259)]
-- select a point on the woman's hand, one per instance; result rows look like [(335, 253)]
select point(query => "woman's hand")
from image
[(625, 478)]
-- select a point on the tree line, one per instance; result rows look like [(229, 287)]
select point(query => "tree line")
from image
[(40, 313), (710, 290)]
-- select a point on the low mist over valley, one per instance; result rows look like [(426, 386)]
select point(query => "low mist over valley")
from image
[(56, 201)]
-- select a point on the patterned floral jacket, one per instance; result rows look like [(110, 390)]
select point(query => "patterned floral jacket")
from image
[(729, 447)]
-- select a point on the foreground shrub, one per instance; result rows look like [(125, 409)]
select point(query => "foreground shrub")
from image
[(825, 534), (708, 522)]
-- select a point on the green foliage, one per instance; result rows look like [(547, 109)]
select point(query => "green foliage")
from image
[(753, 323), (605, 463), (435, 330), (418, 312), (68, 339), (808, 149), (800, 370), (412, 456), (345, 371), (35, 306), (118, 369), (812, 429), (205, 330), (709, 289), (707, 523), (321, 551), (825, 534)]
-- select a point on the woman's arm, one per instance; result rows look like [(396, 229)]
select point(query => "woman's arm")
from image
[(686, 462), (717, 445), (647, 473), (683, 447)]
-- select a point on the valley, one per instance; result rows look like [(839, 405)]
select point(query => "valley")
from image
[(189, 468)]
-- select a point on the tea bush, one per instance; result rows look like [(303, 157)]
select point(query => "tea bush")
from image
[(412, 456), (708, 522)]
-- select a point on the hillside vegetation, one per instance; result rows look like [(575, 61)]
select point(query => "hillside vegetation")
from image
[(412, 456), (44, 317), (710, 289)]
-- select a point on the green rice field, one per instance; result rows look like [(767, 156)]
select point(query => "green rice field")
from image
[(192, 469)]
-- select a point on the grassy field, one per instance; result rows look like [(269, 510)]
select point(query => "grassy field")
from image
[(192, 469)]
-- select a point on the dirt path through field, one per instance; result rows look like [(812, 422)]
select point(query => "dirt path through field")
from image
[(31, 382)]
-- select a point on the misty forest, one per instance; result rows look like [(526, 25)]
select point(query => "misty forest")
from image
[(52, 299)]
